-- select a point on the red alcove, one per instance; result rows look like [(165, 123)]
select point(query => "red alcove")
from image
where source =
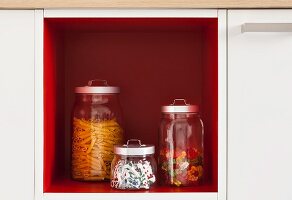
[(152, 60)]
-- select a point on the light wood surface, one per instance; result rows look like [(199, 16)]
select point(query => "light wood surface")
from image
[(145, 3)]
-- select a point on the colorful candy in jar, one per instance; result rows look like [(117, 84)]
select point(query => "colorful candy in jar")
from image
[(181, 167), (181, 149), (133, 166), (133, 175)]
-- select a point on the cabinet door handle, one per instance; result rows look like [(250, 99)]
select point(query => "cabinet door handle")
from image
[(266, 27)]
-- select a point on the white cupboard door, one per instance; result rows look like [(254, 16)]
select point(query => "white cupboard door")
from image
[(17, 104), (260, 105)]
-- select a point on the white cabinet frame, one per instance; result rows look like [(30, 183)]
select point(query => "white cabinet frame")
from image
[(39, 109)]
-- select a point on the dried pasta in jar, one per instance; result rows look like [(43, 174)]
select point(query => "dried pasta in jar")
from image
[(96, 128), (92, 148)]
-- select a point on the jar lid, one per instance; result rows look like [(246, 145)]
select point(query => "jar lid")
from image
[(134, 149), (97, 86), (182, 107)]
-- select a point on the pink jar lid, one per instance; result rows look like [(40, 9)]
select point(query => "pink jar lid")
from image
[(97, 87), (182, 107)]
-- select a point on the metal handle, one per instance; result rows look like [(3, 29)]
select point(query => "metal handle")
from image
[(266, 27), (95, 81), (175, 100), (134, 140)]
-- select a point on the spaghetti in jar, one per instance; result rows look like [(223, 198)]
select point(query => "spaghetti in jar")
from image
[(96, 128)]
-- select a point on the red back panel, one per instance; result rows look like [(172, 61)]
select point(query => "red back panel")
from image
[(153, 61)]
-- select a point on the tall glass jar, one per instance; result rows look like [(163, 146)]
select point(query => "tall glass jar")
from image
[(181, 145), (96, 127)]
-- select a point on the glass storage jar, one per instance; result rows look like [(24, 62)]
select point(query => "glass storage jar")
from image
[(133, 166), (96, 127), (181, 145)]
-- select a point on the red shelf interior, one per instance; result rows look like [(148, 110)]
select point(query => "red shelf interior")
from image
[(152, 60)]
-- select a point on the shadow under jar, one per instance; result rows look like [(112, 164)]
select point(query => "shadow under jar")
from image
[(96, 127), (181, 145)]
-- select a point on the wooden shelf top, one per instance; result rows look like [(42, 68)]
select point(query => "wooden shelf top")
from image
[(18, 4)]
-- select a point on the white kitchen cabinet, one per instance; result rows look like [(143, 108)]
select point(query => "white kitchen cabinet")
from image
[(259, 104), (73, 45), (17, 104), (259, 96), (256, 48)]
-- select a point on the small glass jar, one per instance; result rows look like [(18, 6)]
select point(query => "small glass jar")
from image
[(96, 127), (134, 166), (181, 145)]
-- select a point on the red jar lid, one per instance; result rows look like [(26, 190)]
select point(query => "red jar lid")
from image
[(97, 87), (180, 106)]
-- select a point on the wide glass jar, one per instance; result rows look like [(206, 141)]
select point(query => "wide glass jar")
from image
[(134, 166), (96, 128), (181, 145)]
